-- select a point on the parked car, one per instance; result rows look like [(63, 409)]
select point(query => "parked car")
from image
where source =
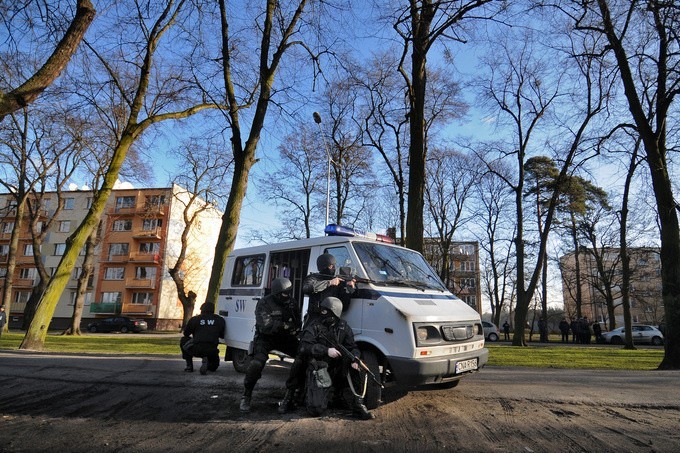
[(490, 331), (118, 324), (641, 334)]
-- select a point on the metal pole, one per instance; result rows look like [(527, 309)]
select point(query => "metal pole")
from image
[(317, 120)]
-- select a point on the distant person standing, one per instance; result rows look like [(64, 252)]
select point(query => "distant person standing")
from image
[(506, 331), (597, 331), (3, 318), (564, 330)]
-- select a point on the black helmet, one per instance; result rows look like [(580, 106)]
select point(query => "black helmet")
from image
[(333, 304), (281, 285), (208, 308), (324, 263)]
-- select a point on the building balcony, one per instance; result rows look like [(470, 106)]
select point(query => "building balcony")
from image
[(147, 283), (25, 282), (154, 233), (102, 308), (138, 309), (123, 210), (141, 257), (118, 258), (152, 209)]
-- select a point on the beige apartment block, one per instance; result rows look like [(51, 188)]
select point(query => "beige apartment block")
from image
[(140, 239), (463, 278), (645, 287)]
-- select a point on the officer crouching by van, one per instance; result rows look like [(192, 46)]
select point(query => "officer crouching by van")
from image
[(201, 338), (276, 326), (320, 346)]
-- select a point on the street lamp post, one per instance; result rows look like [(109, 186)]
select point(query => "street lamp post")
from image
[(317, 120)]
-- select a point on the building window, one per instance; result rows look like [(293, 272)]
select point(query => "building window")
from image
[(112, 297), (155, 201), (151, 224), (39, 227), (3, 272), (59, 249), (125, 202), (21, 297), (76, 273), (29, 273), (149, 247), (4, 249), (64, 226), (142, 298), (118, 249), (122, 225), (89, 202), (7, 227), (86, 301), (114, 273), (145, 272), (28, 250), (69, 203)]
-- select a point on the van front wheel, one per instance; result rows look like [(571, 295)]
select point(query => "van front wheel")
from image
[(240, 360), (373, 390)]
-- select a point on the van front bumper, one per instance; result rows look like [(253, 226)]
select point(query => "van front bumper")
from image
[(433, 370)]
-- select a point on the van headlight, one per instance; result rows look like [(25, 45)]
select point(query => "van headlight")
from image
[(427, 334)]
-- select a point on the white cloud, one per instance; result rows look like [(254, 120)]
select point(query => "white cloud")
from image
[(123, 185)]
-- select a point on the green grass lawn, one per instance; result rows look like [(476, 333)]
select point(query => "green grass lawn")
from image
[(544, 356)]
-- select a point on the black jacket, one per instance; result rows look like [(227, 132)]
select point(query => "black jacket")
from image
[(206, 328), (273, 317), (317, 287), (314, 345)]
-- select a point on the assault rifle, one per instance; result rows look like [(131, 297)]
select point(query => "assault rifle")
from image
[(347, 274), (354, 359)]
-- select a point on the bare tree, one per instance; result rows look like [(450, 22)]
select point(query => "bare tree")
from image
[(452, 177), (279, 30), (200, 184), (420, 27), (148, 99), (21, 96), (296, 184)]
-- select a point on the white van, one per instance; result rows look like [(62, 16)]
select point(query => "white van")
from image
[(410, 329)]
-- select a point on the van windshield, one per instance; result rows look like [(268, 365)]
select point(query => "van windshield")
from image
[(396, 266)]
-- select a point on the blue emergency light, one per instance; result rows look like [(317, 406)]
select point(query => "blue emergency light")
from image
[(339, 230)]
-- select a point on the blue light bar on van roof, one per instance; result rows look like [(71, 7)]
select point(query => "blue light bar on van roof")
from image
[(339, 230)]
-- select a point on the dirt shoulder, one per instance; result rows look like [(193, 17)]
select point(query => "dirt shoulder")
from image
[(86, 403)]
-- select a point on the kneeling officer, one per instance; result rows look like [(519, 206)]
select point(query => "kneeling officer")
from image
[(277, 323), (320, 341)]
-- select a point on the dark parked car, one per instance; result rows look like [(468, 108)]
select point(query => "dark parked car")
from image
[(117, 324)]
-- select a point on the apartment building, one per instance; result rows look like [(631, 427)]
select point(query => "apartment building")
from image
[(646, 302), (463, 277), (140, 239)]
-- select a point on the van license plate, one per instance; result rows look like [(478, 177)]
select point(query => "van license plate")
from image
[(466, 365)]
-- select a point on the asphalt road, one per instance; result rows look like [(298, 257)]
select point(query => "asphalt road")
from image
[(53, 402)]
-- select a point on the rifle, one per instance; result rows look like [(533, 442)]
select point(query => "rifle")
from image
[(347, 274), (348, 355)]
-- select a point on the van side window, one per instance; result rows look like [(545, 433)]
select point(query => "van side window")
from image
[(342, 257), (248, 271)]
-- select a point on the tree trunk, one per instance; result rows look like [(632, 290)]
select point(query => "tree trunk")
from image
[(12, 259), (37, 332)]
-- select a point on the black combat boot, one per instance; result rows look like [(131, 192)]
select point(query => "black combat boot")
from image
[(204, 367), (287, 404), (360, 411), (245, 401), (190, 366)]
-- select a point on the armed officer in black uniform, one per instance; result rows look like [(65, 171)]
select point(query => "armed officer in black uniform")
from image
[(319, 341), (324, 284), (205, 330), (277, 323), (317, 286)]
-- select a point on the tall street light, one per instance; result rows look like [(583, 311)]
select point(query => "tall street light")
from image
[(317, 120)]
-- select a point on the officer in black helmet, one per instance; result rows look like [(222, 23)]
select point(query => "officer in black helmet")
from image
[(324, 284), (205, 330), (319, 341), (277, 323)]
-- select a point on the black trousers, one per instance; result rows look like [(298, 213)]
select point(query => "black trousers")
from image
[(262, 345)]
